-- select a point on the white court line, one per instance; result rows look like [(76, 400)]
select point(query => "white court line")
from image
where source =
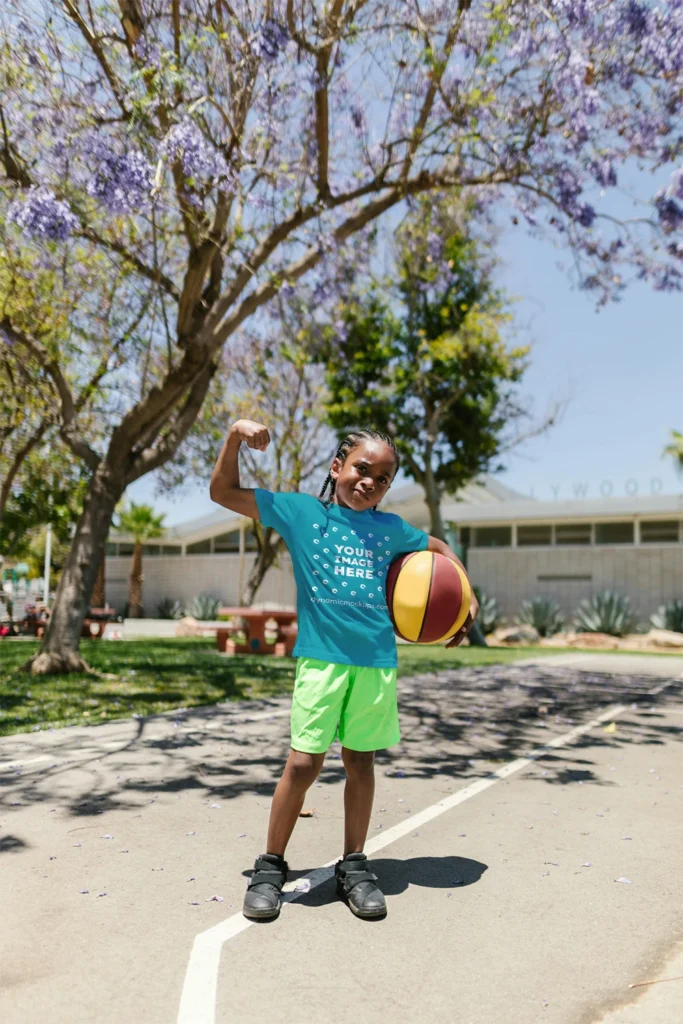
[(198, 997)]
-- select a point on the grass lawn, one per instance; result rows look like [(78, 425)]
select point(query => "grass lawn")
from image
[(160, 675)]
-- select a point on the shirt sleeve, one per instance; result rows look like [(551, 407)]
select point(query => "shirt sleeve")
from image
[(278, 509), (410, 538)]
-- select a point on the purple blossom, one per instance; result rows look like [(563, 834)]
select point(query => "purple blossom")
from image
[(270, 39), (121, 182), (636, 19), (675, 189), (42, 216), (200, 161), (604, 172), (669, 212)]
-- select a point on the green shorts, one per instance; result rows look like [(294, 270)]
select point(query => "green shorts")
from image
[(358, 702)]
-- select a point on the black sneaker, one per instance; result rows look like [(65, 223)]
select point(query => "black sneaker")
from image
[(262, 898), (357, 886)]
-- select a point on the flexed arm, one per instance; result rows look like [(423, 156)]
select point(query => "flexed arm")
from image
[(225, 488)]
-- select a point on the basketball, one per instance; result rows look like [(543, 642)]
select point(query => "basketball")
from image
[(429, 597)]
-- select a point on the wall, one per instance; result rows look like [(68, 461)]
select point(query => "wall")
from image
[(182, 578), (648, 575)]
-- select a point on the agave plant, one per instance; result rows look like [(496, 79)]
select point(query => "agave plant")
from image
[(606, 612), (204, 607), (669, 616), (543, 614), (489, 611), (168, 609)]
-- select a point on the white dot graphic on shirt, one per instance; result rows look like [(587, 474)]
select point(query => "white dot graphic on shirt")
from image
[(345, 537), (335, 528), (326, 582), (316, 541), (353, 593), (334, 590), (326, 550), (316, 557), (326, 567), (344, 584), (315, 572), (362, 586), (315, 589), (316, 525), (380, 559)]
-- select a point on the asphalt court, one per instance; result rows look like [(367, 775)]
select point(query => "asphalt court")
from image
[(479, 924)]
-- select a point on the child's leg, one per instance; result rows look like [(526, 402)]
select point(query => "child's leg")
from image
[(359, 794), (300, 773)]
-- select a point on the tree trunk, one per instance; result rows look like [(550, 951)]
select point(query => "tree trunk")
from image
[(136, 578), (99, 595), (270, 548), (59, 649)]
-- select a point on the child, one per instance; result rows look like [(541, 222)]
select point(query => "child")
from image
[(341, 548)]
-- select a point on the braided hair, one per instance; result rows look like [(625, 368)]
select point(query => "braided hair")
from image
[(346, 446)]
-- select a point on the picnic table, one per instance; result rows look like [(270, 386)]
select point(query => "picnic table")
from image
[(255, 620)]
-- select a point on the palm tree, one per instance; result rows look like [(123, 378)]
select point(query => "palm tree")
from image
[(141, 524), (675, 449)]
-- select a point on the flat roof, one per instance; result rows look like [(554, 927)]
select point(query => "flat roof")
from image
[(659, 505)]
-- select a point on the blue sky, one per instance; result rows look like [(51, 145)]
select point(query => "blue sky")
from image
[(620, 370)]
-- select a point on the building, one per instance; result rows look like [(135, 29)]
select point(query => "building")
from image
[(515, 548)]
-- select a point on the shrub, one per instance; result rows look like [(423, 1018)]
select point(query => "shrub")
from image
[(669, 616), (168, 609), (606, 612), (543, 614), (489, 611), (204, 607)]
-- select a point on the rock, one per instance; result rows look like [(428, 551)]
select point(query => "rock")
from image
[(517, 635), (665, 638), (595, 640), (188, 627)]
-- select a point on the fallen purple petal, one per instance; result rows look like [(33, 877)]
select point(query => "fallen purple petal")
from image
[(194, 903), (216, 899), (241, 835), (189, 833), (84, 890), (627, 881), (106, 836)]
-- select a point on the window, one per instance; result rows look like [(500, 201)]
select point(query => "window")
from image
[(493, 537), (528, 536), (112, 549), (614, 533), (227, 542), (202, 547), (151, 549), (659, 531), (168, 549), (126, 549), (573, 533), (465, 538)]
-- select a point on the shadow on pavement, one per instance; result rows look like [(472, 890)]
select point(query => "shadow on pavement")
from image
[(456, 723)]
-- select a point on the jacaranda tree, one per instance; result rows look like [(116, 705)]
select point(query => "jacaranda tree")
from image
[(219, 150)]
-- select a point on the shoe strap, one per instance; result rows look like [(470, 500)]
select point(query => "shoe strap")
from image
[(351, 877), (267, 873)]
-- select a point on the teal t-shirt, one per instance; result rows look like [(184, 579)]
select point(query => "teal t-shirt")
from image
[(340, 559)]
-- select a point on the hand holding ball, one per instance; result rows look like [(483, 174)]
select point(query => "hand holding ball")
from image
[(429, 597)]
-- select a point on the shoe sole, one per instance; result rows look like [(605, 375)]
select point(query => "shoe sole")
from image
[(360, 913), (256, 915)]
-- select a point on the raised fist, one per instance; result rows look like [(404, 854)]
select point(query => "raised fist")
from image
[(255, 435)]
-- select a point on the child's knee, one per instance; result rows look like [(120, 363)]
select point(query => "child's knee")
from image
[(360, 763), (303, 768)]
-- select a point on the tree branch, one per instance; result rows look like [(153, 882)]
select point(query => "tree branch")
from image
[(78, 445), (152, 458)]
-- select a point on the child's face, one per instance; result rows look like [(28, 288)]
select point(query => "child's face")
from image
[(362, 481)]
